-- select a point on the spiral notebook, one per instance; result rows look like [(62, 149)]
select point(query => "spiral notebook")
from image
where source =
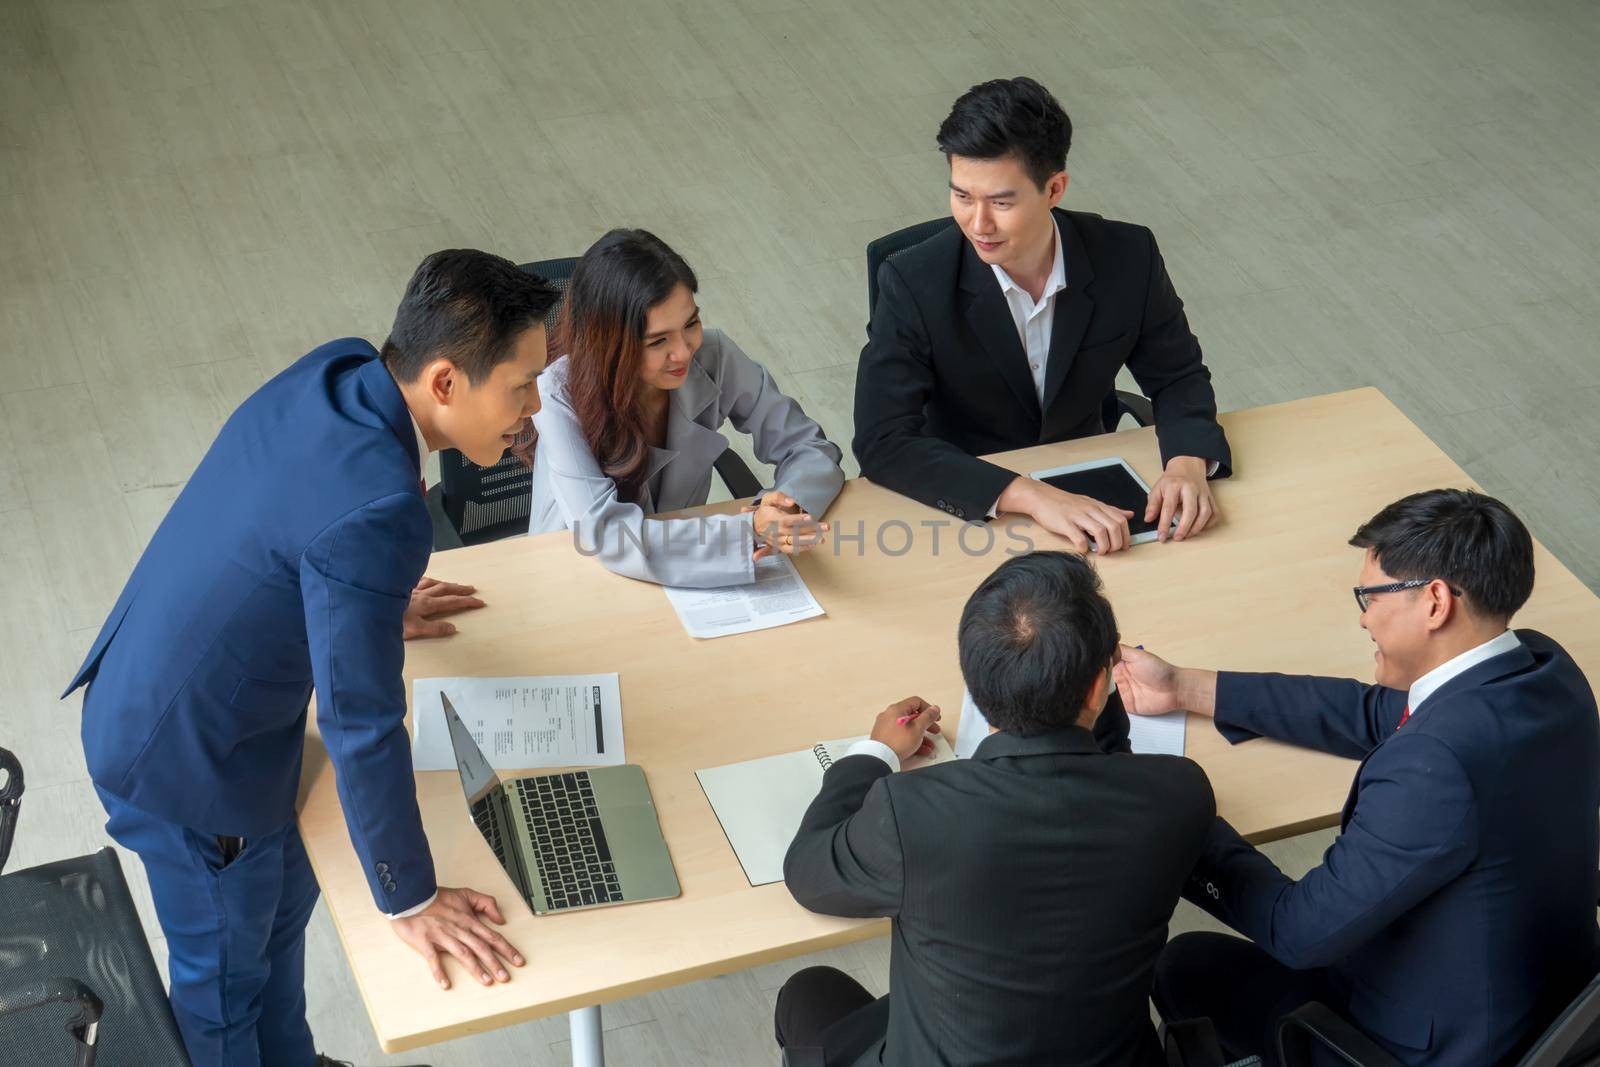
[(760, 802)]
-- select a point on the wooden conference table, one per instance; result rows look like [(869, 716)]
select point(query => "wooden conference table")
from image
[(1267, 590)]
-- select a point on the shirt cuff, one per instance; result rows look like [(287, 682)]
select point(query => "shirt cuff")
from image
[(420, 907), (868, 747)]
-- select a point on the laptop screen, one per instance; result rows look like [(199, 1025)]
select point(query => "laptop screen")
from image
[(478, 779)]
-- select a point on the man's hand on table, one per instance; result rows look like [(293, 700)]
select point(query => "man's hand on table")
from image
[(1183, 493), (1149, 685), (1080, 519), (905, 725), (431, 600), (454, 923)]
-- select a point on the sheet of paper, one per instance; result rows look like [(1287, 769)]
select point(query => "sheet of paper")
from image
[(972, 729), (522, 723), (1159, 735), (777, 597)]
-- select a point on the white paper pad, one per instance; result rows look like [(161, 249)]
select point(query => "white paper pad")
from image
[(557, 721), (760, 802), (777, 597), (1149, 735), (1158, 735)]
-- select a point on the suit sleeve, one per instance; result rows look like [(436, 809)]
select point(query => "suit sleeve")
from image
[(1337, 715), (892, 443), (705, 552), (783, 435), (1111, 730), (846, 858), (1166, 363), (1413, 830), (355, 582)]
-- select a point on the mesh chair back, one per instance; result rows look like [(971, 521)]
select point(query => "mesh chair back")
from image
[(10, 801), (891, 245), (74, 919), (488, 503)]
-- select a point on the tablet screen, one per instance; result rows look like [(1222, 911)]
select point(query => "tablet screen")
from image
[(1111, 484)]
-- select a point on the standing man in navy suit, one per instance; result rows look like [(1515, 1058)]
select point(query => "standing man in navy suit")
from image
[(292, 560), (1454, 916)]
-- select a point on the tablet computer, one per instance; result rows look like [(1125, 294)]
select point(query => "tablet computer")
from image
[(1110, 481)]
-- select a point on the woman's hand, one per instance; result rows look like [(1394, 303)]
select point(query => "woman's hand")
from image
[(781, 526)]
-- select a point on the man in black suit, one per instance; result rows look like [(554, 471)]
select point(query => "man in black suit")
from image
[(1008, 330), (1453, 917), (1030, 885)]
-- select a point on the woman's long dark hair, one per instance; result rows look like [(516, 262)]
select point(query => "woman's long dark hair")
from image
[(601, 331)]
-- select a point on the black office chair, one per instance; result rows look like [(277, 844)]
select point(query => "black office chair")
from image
[(887, 247), (1573, 1040), (77, 966), (473, 505)]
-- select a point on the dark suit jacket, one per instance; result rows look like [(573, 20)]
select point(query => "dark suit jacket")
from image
[(1030, 888), (286, 562), (944, 377), (1456, 910)]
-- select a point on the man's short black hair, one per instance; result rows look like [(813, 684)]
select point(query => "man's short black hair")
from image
[(1467, 539), (1032, 638), (465, 306), (1010, 116)]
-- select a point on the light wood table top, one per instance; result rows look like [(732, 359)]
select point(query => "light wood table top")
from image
[(1266, 590)]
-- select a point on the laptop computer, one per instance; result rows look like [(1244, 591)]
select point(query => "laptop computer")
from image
[(577, 839)]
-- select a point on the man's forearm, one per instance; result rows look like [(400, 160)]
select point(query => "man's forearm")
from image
[(1019, 497), (1197, 690)]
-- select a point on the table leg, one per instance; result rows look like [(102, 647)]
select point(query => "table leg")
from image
[(588, 1050)]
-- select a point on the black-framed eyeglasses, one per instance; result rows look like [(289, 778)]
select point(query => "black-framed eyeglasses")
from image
[(1364, 593)]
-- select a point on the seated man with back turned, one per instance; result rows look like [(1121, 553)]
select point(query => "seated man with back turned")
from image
[(1454, 916), (1008, 329), (1030, 885)]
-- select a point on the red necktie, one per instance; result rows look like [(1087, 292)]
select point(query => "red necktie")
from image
[(1403, 717)]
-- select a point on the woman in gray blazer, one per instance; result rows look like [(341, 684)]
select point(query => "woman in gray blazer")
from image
[(628, 428)]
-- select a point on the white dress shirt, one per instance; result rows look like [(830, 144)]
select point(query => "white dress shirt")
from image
[(422, 458), (1429, 683), (1035, 319), (422, 442)]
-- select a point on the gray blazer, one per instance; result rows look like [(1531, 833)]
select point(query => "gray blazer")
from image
[(570, 491)]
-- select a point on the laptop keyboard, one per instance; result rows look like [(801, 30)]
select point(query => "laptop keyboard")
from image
[(574, 861), (484, 817)]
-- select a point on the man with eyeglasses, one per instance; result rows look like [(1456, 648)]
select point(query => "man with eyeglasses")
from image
[(1454, 916)]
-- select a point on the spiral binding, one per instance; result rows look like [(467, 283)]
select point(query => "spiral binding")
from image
[(821, 752)]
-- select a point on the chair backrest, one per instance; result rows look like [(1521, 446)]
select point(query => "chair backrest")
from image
[(488, 503), (78, 970), (1573, 1040), (892, 244), (10, 802)]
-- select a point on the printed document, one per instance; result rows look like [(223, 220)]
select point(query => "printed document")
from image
[(777, 597), (521, 723)]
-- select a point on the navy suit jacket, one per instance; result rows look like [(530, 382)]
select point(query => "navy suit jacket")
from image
[(286, 562), (1455, 912)]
